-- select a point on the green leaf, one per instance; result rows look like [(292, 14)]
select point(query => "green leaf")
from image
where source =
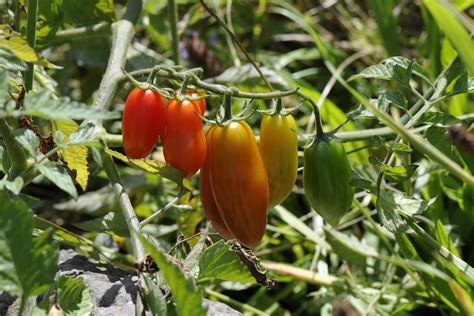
[(186, 295), (41, 105), (73, 296), (443, 238), (393, 68), (27, 266), (25, 52), (411, 206), (454, 31), (28, 140), (247, 75), (349, 248), (9, 61), (402, 149), (111, 223), (89, 12), (398, 173), (15, 186), (396, 98), (59, 176), (154, 298), (219, 262), (387, 211)]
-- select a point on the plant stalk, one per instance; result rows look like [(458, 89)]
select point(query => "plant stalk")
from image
[(32, 6), (173, 12)]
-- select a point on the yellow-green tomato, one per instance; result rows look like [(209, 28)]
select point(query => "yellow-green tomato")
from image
[(279, 150)]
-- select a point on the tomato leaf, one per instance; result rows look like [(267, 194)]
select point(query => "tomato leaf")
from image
[(398, 173), (73, 296)]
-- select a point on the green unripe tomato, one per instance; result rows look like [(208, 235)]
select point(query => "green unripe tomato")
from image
[(326, 177)]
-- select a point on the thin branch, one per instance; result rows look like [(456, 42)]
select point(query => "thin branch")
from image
[(99, 29), (173, 15)]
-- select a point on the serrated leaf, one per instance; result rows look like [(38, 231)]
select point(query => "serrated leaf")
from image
[(219, 262), (394, 68), (411, 206), (75, 154), (73, 296), (186, 295), (28, 140), (59, 176), (41, 105), (398, 173), (111, 223), (349, 248), (149, 165), (27, 266), (402, 149), (25, 52), (387, 212)]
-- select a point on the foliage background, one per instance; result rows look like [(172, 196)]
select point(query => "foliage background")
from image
[(362, 266)]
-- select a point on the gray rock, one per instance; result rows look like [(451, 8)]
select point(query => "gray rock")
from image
[(113, 291)]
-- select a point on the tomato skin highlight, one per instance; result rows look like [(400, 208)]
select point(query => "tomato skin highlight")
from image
[(326, 180), (279, 150), (239, 181), (143, 122), (207, 196)]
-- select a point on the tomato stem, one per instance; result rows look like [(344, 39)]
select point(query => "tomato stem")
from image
[(184, 86), (227, 107), (278, 106)]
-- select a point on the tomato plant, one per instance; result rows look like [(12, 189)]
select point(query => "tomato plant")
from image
[(238, 181), (143, 121), (279, 150)]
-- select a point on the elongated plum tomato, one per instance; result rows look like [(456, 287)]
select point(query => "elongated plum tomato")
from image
[(239, 181), (184, 142), (279, 150), (326, 180), (143, 121), (207, 197)]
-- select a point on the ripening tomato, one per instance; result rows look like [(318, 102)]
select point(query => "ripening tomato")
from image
[(185, 150), (143, 121), (279, 150), (239, 181), (207, 197)]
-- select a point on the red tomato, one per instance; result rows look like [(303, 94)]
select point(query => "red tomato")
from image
[(143, 121), (180, 115)]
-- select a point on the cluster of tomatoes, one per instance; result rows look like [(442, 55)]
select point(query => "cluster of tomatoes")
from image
[(239, 179)]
